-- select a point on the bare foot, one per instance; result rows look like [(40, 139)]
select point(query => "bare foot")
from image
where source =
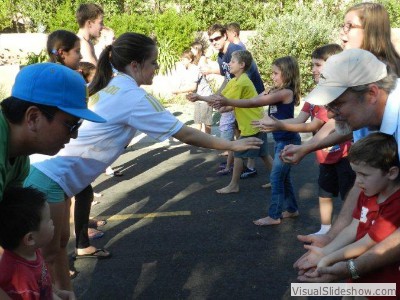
[(267, 221), (287, 214), (228, 190), (267, 185)]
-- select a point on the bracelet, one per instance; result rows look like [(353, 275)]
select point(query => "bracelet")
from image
[(352, 269)]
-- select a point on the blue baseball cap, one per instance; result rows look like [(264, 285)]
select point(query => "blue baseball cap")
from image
[(55, 85)]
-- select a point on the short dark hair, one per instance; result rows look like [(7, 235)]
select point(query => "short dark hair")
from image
[(20, 213), (243, 56), (326, 51), (14, 109), (377, 150), (235, 27), (88, 11), (216, 28)]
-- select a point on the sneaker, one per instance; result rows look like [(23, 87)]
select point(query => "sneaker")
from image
[(248, 173)]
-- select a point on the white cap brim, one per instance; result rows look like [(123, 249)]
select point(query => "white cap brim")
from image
[(323, 95)]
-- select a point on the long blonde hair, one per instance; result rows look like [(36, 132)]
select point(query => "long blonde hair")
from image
[(290, 75), (377, 33)]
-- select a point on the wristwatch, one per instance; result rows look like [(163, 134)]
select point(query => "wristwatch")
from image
[(352, 269)]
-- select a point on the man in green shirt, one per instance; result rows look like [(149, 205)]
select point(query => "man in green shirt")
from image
[(46, 108)]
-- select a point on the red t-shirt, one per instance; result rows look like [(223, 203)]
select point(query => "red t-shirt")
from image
[(25, 280), (331, 154), (379, 221)]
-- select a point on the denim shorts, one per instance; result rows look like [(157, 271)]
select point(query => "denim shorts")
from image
[(252, 153), (40, 181)]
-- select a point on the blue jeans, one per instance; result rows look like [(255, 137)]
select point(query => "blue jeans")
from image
[(282, 188)]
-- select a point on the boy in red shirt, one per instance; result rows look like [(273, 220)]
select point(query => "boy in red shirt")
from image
[(26, 226), (377, 214)]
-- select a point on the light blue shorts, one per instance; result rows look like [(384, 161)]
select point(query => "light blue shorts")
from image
[(38, 180), (228, 134)]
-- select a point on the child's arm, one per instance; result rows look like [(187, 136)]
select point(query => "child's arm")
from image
[(261, 100), (193, 97), (302, 117), (350, 251), (270, 123), (344, 238), (325, 137)]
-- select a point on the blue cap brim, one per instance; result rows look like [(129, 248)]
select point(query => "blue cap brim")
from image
[(84, 113)]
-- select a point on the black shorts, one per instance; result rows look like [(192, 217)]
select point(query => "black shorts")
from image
[(335, 178)]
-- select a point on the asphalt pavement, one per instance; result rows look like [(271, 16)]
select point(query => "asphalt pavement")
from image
[(173, 237)]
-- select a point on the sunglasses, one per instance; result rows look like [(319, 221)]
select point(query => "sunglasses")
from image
[(72, 128), (217, 38)]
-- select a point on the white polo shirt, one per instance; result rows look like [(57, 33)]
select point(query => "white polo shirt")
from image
[(127, 108)]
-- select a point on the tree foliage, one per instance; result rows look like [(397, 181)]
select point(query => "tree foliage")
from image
[(292, 27), (295, 35)]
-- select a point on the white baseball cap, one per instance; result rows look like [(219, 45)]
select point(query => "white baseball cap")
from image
[(349, 68)]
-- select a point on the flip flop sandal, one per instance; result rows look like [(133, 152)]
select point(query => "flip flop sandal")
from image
[(96, 254)]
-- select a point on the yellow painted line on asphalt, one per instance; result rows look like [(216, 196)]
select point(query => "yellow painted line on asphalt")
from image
[(149, 215)]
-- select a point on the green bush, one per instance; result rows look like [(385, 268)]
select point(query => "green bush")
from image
[(140, 23), (296, 35), (174, 33), (63, 18), (6, 14), (178, 29), (393, 8), (34, 58)]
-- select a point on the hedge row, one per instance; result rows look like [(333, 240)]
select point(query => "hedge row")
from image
[(284, 27)]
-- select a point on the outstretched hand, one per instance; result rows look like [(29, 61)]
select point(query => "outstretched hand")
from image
[(318, 240), (293, 154), (219, 101), (314, 255), (192, 97), (332, 273), (267, 124), (245, 144)]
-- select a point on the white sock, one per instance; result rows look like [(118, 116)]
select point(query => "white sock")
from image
[(324, 229), (109, 171)]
